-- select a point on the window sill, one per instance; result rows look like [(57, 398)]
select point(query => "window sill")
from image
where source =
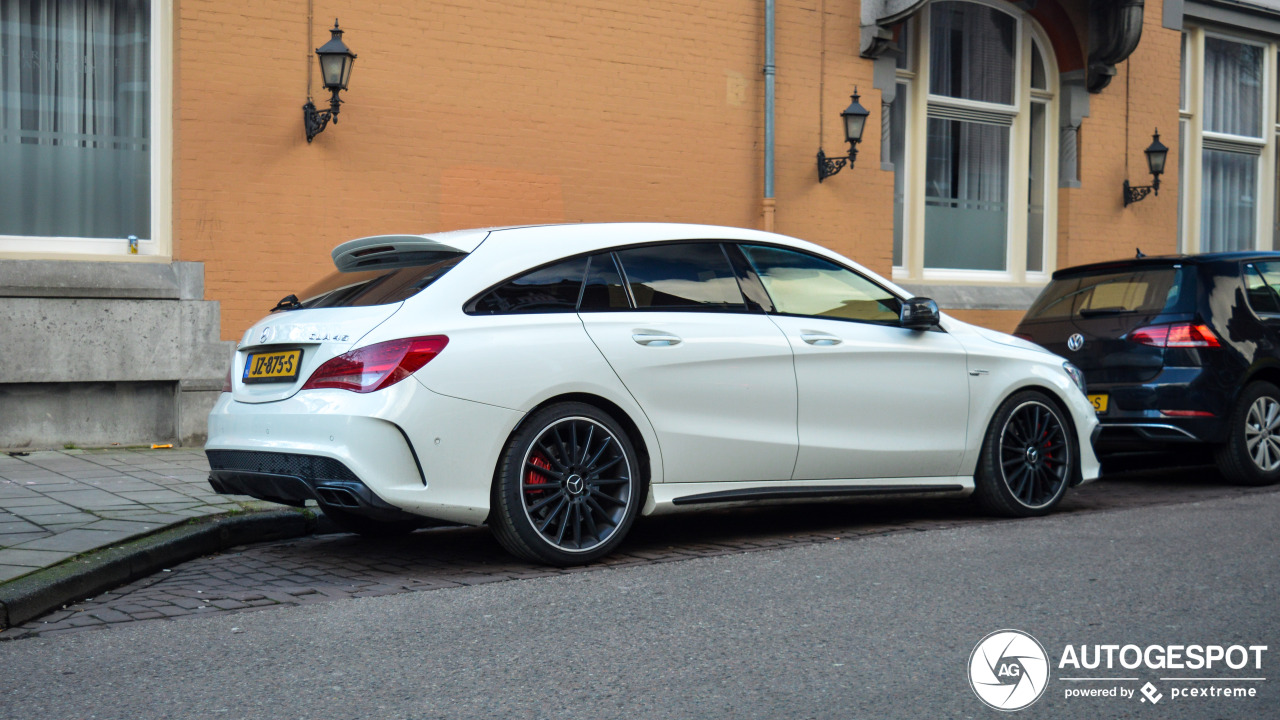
[(955, 296), (54, 248)]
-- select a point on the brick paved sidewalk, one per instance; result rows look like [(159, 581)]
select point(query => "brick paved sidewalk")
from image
[(58, 504)]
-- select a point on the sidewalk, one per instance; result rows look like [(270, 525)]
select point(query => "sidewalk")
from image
[(57, 504)]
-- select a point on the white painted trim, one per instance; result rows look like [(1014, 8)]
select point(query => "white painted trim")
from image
[(163, 61), (1191, 187), (977, 276), (993, 108), (1237, 139), (83, 246)]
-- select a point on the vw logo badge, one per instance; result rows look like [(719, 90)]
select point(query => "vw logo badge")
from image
[(1075, 342)]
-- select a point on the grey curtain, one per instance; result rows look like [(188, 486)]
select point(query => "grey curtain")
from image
[(1232, 87), (971, 52), (74, 118)]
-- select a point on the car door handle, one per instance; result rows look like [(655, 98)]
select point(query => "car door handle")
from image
[(820, 339), (649, 339)]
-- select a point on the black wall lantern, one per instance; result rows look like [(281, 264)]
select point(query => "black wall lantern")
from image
[(336, 60), (855, 121), (1156, 155)]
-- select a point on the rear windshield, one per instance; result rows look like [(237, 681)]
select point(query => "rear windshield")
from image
[(374, 287), (1149, 290)]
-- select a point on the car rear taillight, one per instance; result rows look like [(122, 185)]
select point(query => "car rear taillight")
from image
[(376, 366), (1177, 335), (1024, 336)]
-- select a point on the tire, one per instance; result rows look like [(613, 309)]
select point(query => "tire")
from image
[(369, 527), (1028, 459), (1251, 455), (593, 488)]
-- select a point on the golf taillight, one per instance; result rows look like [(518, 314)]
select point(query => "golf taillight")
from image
[(1177, 335), (376, 366)]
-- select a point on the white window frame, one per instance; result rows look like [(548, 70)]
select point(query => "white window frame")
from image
[(159, 246), (904, 103), (1192, 137), (1028, 32)]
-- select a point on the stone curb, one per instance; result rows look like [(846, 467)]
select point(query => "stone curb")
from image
[(31, 596)]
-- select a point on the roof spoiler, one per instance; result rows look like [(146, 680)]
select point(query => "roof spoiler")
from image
[(392, 251)]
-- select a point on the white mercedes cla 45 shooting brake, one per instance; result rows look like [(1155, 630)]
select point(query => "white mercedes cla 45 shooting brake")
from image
[(557, 381)]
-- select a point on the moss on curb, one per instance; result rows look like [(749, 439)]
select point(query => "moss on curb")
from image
[(88, 574)]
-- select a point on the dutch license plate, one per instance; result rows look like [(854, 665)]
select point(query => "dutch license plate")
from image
[(1099, 403), (272, 366)]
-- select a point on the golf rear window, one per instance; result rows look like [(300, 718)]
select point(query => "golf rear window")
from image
[(374, 287), (1149, 290)]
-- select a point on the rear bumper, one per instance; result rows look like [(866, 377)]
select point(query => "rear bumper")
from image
[(292, 479), (403, 448), (1137, 416)]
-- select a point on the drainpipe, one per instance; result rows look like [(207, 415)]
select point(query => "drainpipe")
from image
[(769, 202)]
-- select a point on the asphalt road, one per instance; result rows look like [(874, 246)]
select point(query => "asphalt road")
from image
[(879, 626)]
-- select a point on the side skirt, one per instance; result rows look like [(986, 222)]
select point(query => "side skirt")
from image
[(676, 497)]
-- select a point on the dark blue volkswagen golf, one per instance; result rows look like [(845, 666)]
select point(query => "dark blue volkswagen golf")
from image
[(1176, 351)]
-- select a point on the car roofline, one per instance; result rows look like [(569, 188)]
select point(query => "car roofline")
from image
[(1164, 261)]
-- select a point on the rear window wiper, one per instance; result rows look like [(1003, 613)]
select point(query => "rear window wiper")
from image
[(1094, 312), (288, 302)]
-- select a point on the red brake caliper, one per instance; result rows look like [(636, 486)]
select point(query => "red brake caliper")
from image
[(533, 477)]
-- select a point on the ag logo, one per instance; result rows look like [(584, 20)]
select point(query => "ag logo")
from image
[(1075, 342), (1008, 670)]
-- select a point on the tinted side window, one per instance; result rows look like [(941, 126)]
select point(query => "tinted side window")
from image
[(692, 276), (603, 289), (547, 290), (803, 284), (1260, 281)]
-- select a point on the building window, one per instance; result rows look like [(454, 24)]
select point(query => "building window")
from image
[(1227, 193), (978, 204), (77, 132)]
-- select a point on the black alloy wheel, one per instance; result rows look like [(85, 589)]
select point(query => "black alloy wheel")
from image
[(1028, 457), (568, 488)]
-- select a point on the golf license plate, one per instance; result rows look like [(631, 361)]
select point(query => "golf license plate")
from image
[(1099, 403), (272, 366)]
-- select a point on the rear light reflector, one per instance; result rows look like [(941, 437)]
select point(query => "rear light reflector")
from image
[(1186, 413), (1177, 335), (377, 366)]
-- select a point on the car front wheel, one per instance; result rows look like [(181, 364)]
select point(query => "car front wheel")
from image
[(568, 486), (1028, 457), (1251, 455)]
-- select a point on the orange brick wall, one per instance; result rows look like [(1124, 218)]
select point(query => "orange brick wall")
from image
[(1002, 320), (470, 113), (1093, 222)]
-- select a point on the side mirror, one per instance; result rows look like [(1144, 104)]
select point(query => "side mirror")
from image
[(919, 313)]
